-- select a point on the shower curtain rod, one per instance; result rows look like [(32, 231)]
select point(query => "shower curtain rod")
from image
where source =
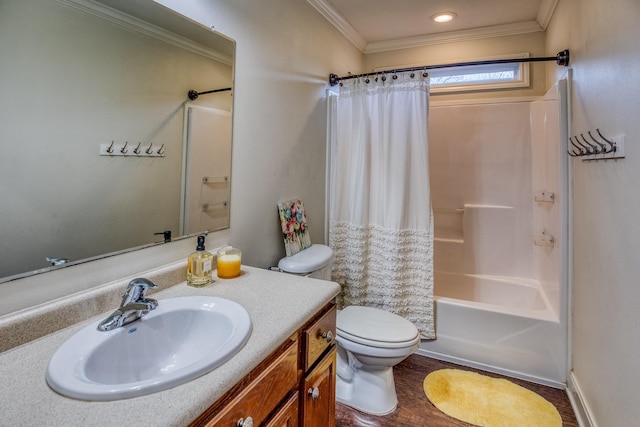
[(562, 58), (193, 94)]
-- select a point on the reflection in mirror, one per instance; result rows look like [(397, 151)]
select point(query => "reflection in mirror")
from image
[(80, 82)]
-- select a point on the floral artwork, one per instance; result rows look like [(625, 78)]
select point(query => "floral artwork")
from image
[(294, 226)]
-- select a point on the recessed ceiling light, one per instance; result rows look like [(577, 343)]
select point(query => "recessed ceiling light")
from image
[(443, 17)]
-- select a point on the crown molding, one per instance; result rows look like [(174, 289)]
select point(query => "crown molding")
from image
[(144, 27), (338, 21), (454, 36), (545, 12)]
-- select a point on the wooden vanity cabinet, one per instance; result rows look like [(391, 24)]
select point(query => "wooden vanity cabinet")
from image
[(252, 401), (294, 386), (318, 359), (287, 415)]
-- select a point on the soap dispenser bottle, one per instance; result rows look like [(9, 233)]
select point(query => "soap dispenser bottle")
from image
[(199, 266)]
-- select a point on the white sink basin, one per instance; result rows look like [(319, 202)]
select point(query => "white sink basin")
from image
[(177, 342)]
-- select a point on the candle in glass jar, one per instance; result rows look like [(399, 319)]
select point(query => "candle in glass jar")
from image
[(228, 263)]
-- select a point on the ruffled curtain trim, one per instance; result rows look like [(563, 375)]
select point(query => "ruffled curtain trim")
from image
[(387, 269)]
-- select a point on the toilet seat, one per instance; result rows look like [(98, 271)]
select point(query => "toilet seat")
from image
[(307, 260), (378, 351), (376, 328)]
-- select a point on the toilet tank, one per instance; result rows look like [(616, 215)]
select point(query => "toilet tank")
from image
[(323, 274), (314, 262)]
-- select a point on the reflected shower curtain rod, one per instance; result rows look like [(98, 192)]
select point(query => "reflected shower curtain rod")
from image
[(562, 58), (193, 94)]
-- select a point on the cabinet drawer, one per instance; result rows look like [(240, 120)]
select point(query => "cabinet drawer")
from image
[(264, 393), (287, 416), (318, 336)]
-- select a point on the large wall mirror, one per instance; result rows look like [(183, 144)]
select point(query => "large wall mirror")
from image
[(101, 150)]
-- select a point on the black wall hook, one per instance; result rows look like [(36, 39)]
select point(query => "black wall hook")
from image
[(596, 149)]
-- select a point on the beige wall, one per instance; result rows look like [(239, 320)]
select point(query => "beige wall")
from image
[(285, 52), (605, 57), (532, 43)]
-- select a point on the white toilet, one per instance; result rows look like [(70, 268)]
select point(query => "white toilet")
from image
[(370, 341)]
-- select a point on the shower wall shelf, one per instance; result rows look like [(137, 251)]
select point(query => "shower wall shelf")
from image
[(544, 239), (210, 207), (132, 150), (590, 148), (544, 196), (214, 179)]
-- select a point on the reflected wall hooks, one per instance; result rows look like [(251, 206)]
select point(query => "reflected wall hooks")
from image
[(126, 150), (590, 148)]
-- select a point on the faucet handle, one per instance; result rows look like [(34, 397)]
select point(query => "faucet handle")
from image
[(136, 290)]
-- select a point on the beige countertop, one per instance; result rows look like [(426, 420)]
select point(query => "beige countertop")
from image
[(277, 303)]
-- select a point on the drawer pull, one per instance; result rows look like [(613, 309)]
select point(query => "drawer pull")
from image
[(328, 336), (245, 422), (314, 393)]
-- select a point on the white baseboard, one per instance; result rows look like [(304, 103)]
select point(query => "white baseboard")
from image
[(581, 408)]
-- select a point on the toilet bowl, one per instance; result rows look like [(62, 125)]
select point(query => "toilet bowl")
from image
[(370, 341)]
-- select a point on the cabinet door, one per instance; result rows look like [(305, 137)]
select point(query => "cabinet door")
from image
[(287, 415), (256, 401), (318, 394)]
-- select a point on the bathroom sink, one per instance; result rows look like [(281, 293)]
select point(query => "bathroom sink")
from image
[(182, 339)]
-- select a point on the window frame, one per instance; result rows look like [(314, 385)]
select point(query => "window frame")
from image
[(522, 76)]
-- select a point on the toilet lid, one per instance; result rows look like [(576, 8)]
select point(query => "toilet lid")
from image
[(307, 260), (368, 324)]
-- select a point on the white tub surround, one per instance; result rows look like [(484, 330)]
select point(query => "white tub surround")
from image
[(277, 303), (499, 179), (500, 324)]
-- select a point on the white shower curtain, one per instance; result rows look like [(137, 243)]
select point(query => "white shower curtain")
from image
[(380, 218)]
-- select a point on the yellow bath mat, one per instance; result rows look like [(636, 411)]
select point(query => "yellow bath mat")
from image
[(488, 402)]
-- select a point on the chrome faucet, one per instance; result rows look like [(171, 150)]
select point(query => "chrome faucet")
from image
[(134, 305), (56, 260)]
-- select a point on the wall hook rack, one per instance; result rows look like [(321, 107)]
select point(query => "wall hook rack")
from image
[(122, 150), (596, 148)]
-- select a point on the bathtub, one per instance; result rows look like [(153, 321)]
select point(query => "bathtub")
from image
[(500, 324)]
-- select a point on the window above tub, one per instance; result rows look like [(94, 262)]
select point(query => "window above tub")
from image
[(479, 77)]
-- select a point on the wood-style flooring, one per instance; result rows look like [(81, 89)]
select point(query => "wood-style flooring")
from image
[(414, 409)]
